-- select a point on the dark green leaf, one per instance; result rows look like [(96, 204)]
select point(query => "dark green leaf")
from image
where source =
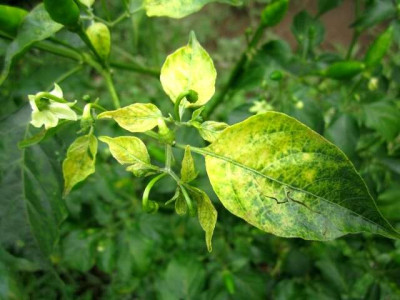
[(36, 26)]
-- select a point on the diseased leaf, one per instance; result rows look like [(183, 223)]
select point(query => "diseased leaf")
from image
[(189, 68), (210, 130), (206, 212), (36, 26), (80, 161), (178, 8), (137, 117), (188, 171), (284, 178), (130, 150)]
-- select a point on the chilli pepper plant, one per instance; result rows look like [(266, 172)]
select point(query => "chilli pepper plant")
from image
[(270, 169)]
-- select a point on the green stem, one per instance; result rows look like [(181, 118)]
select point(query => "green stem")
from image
[(54, 98), (135, 68), (236, 72), (111, 89), (148, 205), (67, 74), (356, 32), (188, 201), (168, 156), (178, 103)]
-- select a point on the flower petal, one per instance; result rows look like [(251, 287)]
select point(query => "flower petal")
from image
[(62, 111), (44, 117), (32, 102), (57, 91)]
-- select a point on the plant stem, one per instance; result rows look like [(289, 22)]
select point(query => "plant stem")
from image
[(177, 104), (356, 32), (168, 156), (135, 68), (145, 198), (67, 74), (111, 88), (236, 72), (74, 55)]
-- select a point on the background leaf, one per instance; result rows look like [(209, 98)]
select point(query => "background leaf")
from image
[(36, 26)]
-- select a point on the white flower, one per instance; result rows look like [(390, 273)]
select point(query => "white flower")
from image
[(52, 112)]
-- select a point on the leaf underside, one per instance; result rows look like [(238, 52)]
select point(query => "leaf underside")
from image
[(286, 179)]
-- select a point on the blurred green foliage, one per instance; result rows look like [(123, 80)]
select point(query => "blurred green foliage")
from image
[(110, 249)]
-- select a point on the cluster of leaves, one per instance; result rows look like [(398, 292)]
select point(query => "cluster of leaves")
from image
[(270, 170)]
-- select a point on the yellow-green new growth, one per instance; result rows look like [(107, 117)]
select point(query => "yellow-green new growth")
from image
[(189, 68)]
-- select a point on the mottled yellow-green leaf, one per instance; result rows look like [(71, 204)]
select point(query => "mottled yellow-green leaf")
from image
[(180, 204), (188, 170), (178, 8), (137, 117), (100, 37), (130, 150), (206, 212), (284, 178), (210, 130), (189, 68), (80, 161)]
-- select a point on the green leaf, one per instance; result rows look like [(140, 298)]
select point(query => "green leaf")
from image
[(79, 250), (206, 212), (183, 278), (210, 130), (137, 117), (384, 117), (375, 13), (188, 170), (274, 12), (31, 206), (80, 161), (180, 203), (308, 31), (36, 26), (284, 178), (327, 5), (189, 68), (130, 150), (178, 8), (379, 47)]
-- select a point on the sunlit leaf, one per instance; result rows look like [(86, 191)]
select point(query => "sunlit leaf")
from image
[(130, 150), (80, 161), (210, 130), (137, 117), (188, 171), (284, 178), (178, 8), (189, 68)]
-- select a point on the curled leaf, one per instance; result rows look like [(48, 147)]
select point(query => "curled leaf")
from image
[(189, 68)]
